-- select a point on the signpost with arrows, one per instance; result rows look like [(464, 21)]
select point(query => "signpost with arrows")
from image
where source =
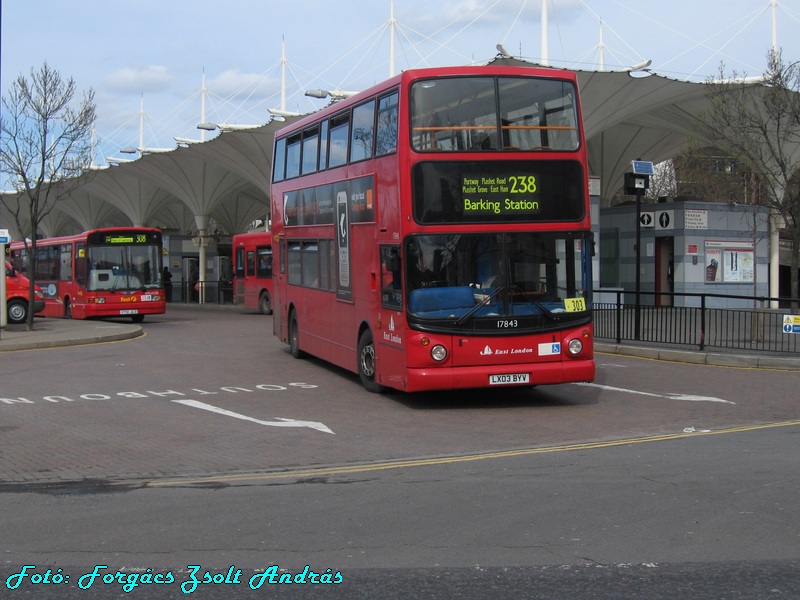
[(4, 239), (637, 180)]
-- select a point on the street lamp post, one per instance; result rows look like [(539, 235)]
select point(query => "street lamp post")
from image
[(4, 239), (332, 94), (636, 182)]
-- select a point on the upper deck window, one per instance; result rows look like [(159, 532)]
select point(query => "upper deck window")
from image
[(339, 135), (293, 156), (323, 145), (363, 126), (455, 114), (386, 133), (310, 146), (279, 160)]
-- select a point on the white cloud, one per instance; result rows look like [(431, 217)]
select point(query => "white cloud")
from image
[(233, 83), (487, 13), (149, 78)]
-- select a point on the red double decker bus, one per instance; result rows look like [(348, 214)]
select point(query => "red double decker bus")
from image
[(252, 270), (99, 273), (433, 232)]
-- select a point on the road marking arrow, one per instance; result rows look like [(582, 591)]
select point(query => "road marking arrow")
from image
[(281, 422), (685, 397)]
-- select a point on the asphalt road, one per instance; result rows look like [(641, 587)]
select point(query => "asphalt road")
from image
[(204, 443)]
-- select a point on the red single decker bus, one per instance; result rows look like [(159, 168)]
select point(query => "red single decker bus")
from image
[(99, 273), (433, 232), (252, 270)]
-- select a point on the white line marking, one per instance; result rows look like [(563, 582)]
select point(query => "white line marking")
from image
[(281, 422), (684, 397)]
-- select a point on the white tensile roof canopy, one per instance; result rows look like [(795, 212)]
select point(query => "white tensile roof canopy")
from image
[(628, 117)]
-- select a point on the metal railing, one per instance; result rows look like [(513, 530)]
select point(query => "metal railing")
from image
[(205, 292), (758, 328)]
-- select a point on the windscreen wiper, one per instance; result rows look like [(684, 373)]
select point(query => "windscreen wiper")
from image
[(545, 311), (485, 301)]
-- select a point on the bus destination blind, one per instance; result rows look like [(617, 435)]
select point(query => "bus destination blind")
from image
[(511, 195)]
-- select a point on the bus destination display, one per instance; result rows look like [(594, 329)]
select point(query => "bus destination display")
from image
[(498, 191), (513, 194), (114, 239)]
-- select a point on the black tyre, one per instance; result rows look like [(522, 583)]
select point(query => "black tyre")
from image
[(137, 318), (67, 309), (294, 337), (17, 311), (367, 364), (265, 304)]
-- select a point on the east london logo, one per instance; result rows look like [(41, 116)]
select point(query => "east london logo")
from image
[(487, 351), (390, 336)]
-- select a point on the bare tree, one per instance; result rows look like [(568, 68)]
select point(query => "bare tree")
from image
[(759, 124), (45, 145), (704, 172), (663, 183)]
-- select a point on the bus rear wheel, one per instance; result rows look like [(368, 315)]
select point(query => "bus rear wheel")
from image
[(294, 337), (265, 304), (67, 309), (367, 364)]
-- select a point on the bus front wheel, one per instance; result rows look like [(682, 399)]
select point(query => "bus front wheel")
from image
[(366, 363), (17, 311), (67, 309)]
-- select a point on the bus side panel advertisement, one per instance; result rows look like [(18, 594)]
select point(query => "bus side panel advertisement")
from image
[(355, 203), (344, 291)]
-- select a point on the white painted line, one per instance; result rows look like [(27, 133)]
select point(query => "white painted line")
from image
[(281, 422), (684, 397)]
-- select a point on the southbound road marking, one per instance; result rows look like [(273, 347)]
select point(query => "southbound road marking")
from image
[(684, 397), (281, 422)]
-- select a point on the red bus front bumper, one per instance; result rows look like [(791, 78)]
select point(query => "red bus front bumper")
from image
[(445, 378)]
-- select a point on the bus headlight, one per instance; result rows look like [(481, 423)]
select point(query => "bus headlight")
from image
[(438, 353), (575, 346)]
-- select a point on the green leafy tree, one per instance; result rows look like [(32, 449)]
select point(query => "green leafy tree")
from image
[(45, 146)]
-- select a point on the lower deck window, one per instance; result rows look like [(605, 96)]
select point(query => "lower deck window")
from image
[(310, 263)]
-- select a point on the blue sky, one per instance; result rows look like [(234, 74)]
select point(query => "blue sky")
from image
[(156, 52)]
